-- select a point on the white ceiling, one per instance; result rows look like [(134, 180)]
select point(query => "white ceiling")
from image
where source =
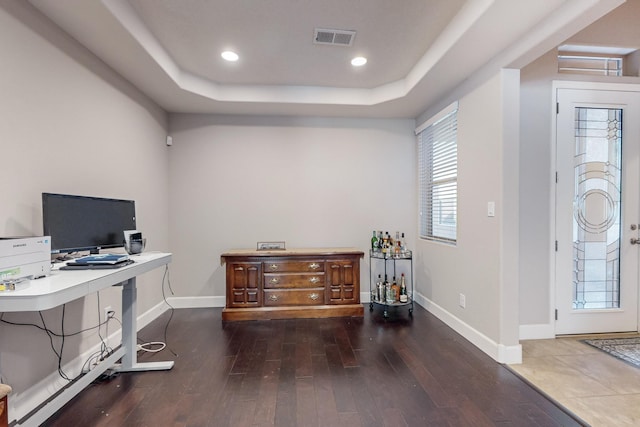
[(417, 50)]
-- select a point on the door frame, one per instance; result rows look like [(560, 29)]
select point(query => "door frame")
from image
[(577, 85)]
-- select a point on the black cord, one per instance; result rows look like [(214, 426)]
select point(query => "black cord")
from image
[(50, 334), (104, 351), (8, 322), (164, 297), (165, 279), (168, 277), (103, 345), (64, 312)]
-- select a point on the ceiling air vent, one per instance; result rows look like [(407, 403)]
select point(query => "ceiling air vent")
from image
[(333, 37)]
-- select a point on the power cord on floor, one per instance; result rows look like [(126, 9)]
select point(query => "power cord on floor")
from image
[(148, 346), (157, 346)]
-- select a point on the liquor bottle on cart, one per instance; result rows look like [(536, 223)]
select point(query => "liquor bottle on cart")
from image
[(395, 290), (403, 289)]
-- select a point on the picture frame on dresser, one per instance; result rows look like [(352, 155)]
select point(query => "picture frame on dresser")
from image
[(271, 246)]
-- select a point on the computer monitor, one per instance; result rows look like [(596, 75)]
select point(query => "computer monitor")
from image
[(83, 223)]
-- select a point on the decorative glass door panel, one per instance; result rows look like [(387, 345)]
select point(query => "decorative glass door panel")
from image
[(596, 208)]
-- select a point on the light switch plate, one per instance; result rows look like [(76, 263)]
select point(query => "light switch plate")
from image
[(491, 209)]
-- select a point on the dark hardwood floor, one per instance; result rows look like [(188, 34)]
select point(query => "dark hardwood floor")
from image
[(313, 372)]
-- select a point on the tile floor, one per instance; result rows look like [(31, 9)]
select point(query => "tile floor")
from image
[(598, 388)]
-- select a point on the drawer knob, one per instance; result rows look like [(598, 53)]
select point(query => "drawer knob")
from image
[(273, 267), (314, 296), (273, 297), (314, 266), (274, 280), (314, 279)]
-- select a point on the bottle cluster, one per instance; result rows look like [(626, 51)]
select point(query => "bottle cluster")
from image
[(386, 246), (390, 292)]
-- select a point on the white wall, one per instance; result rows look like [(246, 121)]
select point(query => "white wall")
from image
[(535, 186), (483, 264), (69, 124), (309, 182)]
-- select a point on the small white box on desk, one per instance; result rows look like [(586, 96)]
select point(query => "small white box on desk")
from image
[(25, 257)]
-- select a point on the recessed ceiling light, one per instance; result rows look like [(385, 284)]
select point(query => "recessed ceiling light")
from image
[(358, 61), (229, 56)]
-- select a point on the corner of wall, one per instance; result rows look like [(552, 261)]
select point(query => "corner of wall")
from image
[(540, 331), (501, 353)]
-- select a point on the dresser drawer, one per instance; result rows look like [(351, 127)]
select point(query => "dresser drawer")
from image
[(275, 298), (312, 266), (286, 281)]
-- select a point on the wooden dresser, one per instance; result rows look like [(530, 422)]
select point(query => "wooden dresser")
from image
[(293, 283)]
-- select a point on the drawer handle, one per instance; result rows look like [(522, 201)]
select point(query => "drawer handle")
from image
[(314, 266), (273, 267), (314, 296), (273, 297), (314, 279), (239, 269), (274, 280)]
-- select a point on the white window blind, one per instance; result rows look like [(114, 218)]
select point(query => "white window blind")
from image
[(438, 176)]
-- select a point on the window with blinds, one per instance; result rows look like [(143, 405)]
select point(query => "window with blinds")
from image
[(438, 176)]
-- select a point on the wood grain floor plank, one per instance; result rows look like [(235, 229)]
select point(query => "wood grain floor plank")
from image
[(339, 380), (325, 397), (265, 412), (303, 360), (306, 409), (286, 395)]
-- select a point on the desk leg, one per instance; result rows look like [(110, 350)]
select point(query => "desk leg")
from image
[(129, 334)]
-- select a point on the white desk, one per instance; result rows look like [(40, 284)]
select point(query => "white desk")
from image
[(64, 286)]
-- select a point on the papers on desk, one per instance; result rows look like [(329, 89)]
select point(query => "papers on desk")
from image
[(95, 262), (101, 259)]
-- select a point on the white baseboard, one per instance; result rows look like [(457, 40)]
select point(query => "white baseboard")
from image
[(540, 331), (365, 297), (21, 404), (527, 332), (197, 302), (499, 352), (150, 315)]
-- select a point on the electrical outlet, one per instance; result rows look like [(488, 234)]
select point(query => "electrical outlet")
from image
[(107, 311), (462, 301)]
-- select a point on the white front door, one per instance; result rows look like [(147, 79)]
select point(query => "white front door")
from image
[(597, 210)]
